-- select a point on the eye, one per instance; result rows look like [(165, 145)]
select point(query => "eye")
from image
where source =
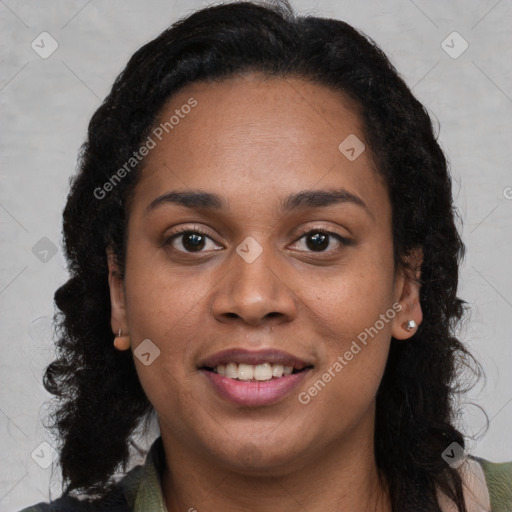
[(195, 240), (191, 240), (319, 240)]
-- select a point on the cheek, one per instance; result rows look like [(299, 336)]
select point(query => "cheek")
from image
[(165, 308), (355, 312), (162, 302), (168, 318), (353, 298), (346, 384)]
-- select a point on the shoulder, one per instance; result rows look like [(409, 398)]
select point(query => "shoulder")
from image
[(136, 489), (115, 501), (63, 504), (487, 486), (498, 477)]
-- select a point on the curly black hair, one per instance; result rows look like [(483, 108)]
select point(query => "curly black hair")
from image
[(99, 400)]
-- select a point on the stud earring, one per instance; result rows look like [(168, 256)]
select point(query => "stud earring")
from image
[(410, 325), (121, 342)]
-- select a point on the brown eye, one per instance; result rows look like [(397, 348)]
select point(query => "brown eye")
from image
[(317, 241), (192, 240)]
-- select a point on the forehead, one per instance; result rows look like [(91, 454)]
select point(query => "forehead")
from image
[(251, 134)]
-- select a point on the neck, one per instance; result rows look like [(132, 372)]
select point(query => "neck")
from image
[(339, 477)]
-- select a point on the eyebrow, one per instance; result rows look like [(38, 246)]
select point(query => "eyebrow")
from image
[(298, 201)]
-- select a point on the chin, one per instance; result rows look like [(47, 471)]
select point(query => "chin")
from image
[(258, 459)]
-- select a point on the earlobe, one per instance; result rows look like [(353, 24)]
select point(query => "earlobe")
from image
[(408, 287), (118, 322), (122, 342)]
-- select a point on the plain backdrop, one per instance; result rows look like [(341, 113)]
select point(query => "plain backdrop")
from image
[(46, 104)]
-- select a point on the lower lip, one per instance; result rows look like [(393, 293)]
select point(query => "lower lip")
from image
[(252, 393)]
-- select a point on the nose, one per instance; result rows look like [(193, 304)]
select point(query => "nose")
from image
[(254, 293)]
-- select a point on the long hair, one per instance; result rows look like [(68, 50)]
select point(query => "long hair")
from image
[(100, 402)]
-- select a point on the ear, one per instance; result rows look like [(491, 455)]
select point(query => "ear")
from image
[(117, 296), (407, 294)]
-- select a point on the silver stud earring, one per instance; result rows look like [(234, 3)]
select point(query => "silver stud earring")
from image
[(410, 325)]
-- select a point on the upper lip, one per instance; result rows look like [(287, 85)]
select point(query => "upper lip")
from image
[(240, 355)]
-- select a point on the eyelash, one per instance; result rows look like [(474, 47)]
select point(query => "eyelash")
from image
[(196, 230)]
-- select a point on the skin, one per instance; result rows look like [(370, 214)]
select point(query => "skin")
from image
[(254, 141)]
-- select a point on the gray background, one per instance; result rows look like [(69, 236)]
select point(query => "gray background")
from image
[(46, 105)]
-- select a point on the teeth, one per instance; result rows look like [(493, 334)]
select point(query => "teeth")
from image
[(261, 372), (277, 370), (232, 370), (245, 371)]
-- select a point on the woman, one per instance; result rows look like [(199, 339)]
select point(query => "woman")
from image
[(263, 253)]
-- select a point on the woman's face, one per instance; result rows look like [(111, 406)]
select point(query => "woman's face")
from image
[(251, 277)]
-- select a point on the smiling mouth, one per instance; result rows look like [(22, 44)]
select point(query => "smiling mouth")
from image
[(256, 373)]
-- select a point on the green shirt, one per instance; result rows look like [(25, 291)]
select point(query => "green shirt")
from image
[(140, 489)]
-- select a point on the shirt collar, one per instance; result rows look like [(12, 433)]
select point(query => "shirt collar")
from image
[(142, 485)]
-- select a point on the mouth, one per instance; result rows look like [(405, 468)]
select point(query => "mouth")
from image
[(260, 366), (254, 379), (257, 373)]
